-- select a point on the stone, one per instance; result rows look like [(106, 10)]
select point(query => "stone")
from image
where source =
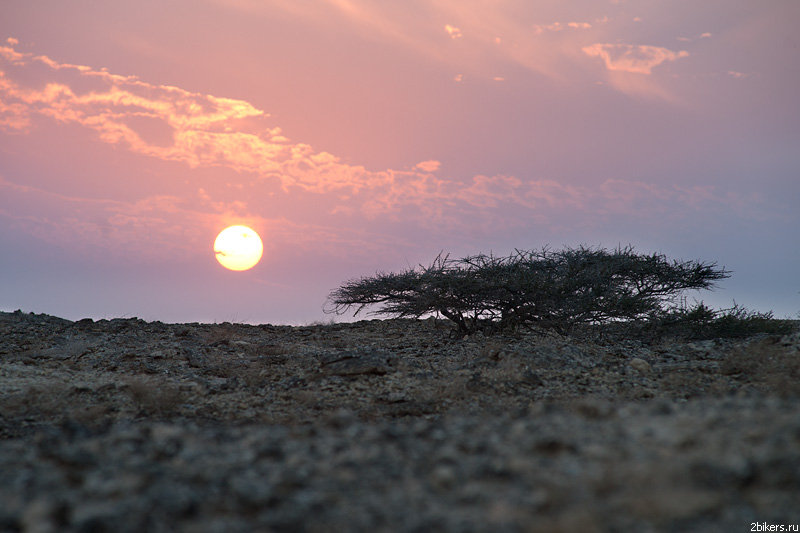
[(356, 363), (640, 365)]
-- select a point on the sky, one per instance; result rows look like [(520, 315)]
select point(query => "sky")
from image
[(358, 136)]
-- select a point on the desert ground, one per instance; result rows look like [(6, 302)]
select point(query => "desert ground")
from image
[(391, 425)]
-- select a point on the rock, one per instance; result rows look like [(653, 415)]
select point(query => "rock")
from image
[(640, 365), (43, 515), (443, 477), (356, 363)]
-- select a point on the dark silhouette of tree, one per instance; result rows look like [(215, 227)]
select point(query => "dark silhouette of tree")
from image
[(545, 288)]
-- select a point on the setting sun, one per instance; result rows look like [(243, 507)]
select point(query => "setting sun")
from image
[(238, 248)]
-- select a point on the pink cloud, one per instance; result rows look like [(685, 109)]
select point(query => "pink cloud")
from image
[(173, 225), (454, 32), (201, 131), (560, 26), (172, 124), (541, 28), (428, 166), (640, 59)]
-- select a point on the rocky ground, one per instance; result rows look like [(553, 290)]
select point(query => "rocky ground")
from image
[(126, 425)]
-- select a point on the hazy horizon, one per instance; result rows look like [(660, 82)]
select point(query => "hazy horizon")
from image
[(359, 136)]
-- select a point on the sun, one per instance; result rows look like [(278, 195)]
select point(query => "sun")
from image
[(238, 248)]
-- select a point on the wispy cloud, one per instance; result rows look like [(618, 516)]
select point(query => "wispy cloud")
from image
[(530, 36), (204, 131), (105, 226), (705, 35), (561, 26), (428, 166), (640, 59), (483, 24), (541, 28)]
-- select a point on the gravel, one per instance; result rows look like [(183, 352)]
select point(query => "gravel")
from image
[(127, 425)]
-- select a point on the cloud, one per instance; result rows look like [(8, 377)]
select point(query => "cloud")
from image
[(640, 59), (200, 131), (13, 115), (705, 35), (454, 32), (159, 121), (560, 26), (541, 28), (428, 166), (105, 227), (487, 24)]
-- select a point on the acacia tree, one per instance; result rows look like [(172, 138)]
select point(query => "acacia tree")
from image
[(552, 289)]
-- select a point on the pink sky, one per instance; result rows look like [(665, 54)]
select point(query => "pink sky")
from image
[(357, 136)]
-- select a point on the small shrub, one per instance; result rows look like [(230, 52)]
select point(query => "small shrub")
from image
[(767, 363), (44, 400), (701, 322), (741, 322), (154, 398)]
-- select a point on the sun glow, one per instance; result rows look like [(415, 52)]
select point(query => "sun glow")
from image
[(238, 248)]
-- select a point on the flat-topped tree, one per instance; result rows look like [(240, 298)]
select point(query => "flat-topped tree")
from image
[(545, 288)]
